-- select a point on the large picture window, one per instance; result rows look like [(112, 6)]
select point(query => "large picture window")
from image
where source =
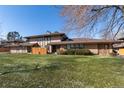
[(75, 46)]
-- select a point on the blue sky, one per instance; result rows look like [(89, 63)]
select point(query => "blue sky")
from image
[(30, 20)]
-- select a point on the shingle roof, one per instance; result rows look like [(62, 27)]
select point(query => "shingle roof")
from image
[(80, 38), (22, 44), (119, 45), (45, 35), (121, 38), (20, 41), (85, 41)]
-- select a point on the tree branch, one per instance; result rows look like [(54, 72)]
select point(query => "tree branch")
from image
[(118, 30)]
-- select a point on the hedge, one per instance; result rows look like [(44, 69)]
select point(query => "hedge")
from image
[(75, 52)]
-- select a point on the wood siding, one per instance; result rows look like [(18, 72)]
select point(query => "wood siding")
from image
[(41, 51), (45, 40)]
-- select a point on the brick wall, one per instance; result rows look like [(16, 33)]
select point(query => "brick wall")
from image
[(92, 47), (4, 49)]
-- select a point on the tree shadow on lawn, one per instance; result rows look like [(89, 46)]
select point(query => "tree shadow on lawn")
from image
[(54, 63), (67, 58), (37, 67)]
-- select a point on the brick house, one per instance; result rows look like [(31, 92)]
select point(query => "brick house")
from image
[(96, 46), (45, 39), (57, 41)]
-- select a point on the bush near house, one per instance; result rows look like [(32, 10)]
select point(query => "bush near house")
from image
[(75, 52)]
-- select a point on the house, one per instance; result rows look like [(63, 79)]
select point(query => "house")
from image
[(5, 42), (45, 39), (96, 46), (56, 41), (22, 47), (17, 46), (119, 46), (51, 42), (4, 45)]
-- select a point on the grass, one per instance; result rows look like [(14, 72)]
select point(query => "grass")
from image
[(38, 71)]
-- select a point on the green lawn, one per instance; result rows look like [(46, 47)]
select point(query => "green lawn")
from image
[(60, 71)]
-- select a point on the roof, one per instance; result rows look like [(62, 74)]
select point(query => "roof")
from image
[(121, 38), (80, 39), (45, 35), (14, 41), (85, 41), (118, 45), (1, 45), (23, 44)]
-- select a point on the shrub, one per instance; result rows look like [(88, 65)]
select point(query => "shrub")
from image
[(61, 52), (113, 54), (75, 52)]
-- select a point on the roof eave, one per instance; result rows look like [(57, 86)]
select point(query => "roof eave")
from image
[(64, 43), (39, 36)]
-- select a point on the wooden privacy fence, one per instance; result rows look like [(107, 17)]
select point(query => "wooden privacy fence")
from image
[(4, 50), (41, 51)]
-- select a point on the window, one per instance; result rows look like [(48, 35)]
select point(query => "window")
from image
[(81, 46), (72, 46), (45, 39), (48, 39), (65, 46), (76, 46), (68, 46), (106, 46), (38, 39)]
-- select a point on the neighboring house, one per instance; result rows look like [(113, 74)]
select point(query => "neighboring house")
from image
[(0, 41), (4, 45), (119, 46), (22, 47), (18, 46)]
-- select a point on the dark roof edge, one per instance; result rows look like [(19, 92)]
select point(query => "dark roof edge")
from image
[(83, 42), (37, 36)]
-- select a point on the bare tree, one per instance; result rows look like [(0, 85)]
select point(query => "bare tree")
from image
[(105, 21)]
